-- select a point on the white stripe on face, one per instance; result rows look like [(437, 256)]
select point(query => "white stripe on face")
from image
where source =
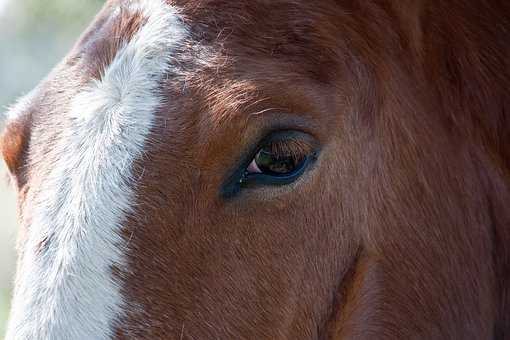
[(68, 290)]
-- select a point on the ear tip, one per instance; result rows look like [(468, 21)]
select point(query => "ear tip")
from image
[(13, 146), (14, 139)]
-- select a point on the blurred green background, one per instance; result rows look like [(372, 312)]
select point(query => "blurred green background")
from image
[(34, 36)]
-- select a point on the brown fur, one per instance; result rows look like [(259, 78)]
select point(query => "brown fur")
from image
[(402, 228)]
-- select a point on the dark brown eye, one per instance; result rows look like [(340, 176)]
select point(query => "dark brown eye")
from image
[(281, 158), (271, 162)]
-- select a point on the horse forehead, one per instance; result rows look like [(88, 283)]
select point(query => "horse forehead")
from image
[(211, 44)]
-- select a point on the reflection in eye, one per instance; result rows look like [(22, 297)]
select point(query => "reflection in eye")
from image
[(270, 162), (281, 160)]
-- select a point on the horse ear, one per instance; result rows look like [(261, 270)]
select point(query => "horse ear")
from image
[(14, 143)]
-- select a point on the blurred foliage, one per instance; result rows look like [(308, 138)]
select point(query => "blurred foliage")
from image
[(70, 15), (55, 9), (34, 36)]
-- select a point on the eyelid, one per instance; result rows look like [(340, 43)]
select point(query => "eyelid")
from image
[(293, 147)]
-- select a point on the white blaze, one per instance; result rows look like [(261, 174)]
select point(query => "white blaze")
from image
[(68, 291)]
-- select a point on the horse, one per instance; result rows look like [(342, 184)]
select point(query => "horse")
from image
[(255, 169)]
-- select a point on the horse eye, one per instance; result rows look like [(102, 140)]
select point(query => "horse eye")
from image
[(280, 161), (272, 163)]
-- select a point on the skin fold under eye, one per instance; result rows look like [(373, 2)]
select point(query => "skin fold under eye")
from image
[(279, 159)]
